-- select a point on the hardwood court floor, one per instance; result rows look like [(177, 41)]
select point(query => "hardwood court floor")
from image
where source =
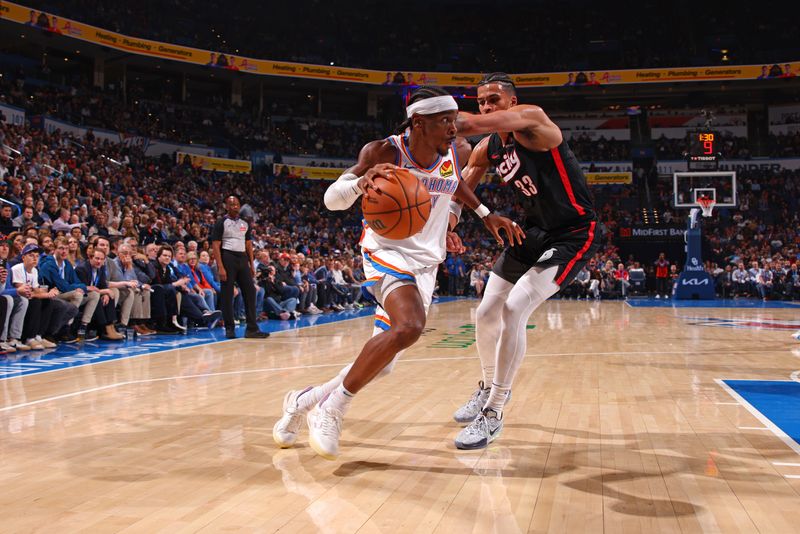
[(616, 425)]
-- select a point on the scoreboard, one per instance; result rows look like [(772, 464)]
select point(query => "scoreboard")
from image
[(703, 154)]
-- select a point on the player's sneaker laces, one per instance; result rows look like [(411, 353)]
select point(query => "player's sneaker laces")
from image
[(288, 426), (480, 432), (325, 428), (470, 410)]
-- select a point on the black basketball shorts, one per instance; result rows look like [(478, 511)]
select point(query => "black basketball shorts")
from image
[(569, 248)]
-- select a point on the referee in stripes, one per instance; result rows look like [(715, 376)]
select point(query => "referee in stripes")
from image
[(231, 241)]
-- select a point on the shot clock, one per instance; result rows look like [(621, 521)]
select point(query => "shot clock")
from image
[(703, 153)]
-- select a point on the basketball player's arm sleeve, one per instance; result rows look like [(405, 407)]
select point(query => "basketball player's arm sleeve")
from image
[(343, 193)]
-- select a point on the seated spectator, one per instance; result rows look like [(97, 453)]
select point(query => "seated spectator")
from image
[(164, 304), (283, 308), (200, 281), (176, 294), (138, 314), (57, 272), (476, 279), (741, 281), (15, 297), (93, 275), (340, 288), (621, 276), (45, 315)]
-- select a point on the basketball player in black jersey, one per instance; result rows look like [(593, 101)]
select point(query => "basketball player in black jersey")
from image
[(531, 156)]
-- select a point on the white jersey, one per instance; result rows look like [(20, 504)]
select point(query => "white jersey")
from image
[(427, 248)]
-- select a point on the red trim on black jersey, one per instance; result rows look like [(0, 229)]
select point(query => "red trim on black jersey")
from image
[(565, 180), (580, 253)]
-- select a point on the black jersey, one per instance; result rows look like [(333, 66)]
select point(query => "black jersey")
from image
[(550, 185)]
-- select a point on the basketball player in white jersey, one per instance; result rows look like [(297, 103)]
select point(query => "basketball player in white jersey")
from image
[(401, 274)]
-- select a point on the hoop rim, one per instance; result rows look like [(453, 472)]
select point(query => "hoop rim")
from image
[(707, 205)]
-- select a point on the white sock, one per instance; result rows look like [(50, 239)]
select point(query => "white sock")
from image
[(340, 399), (497, 399), (313, 395)]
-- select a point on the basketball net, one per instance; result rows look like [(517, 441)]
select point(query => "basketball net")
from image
[(707, 205)]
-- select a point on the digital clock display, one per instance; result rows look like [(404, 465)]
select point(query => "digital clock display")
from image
[(703, 151), (703, 144)]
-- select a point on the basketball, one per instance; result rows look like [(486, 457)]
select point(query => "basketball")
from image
[(400, 207)]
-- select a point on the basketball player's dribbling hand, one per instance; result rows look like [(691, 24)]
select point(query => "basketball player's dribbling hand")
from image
[(454, 243), (366, 182), (495, 223)]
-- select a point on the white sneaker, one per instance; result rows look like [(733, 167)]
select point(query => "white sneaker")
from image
[(796, 335), (7, 347), (325, 428), (46, 343), (658, 296), (18, 345), (33, 344), (313, 310), (288, 426)]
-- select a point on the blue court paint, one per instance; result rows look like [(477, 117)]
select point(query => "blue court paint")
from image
[(786, 325), (778, 401), (718, 303), (67, 356)]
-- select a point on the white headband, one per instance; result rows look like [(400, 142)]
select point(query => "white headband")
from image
[(429, 106)]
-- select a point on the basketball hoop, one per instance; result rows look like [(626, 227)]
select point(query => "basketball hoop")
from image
[(707, 205)]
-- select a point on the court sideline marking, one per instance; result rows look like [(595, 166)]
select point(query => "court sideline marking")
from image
[(780, 434)]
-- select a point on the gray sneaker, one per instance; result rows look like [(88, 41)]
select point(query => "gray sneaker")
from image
[(470, 410), (481, 432)]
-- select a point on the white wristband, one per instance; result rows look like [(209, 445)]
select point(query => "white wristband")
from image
[(482, 211)]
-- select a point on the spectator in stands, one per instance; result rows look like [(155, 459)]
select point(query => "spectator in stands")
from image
[(17, 303), (6, 220), (166, 284), (25, 219), (595, 279), (139, 312), (724, 282), (193, 290), (200, 281), (57, 272), (285, 277), (45, 315), (283, 308), (63, 224), (662, 267), (621, 276), (456, 273), (74, 254), (764, 281), (741, 281), (93, 275), (476, 279)]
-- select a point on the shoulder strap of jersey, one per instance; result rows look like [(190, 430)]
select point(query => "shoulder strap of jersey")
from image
[(396, 141)]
